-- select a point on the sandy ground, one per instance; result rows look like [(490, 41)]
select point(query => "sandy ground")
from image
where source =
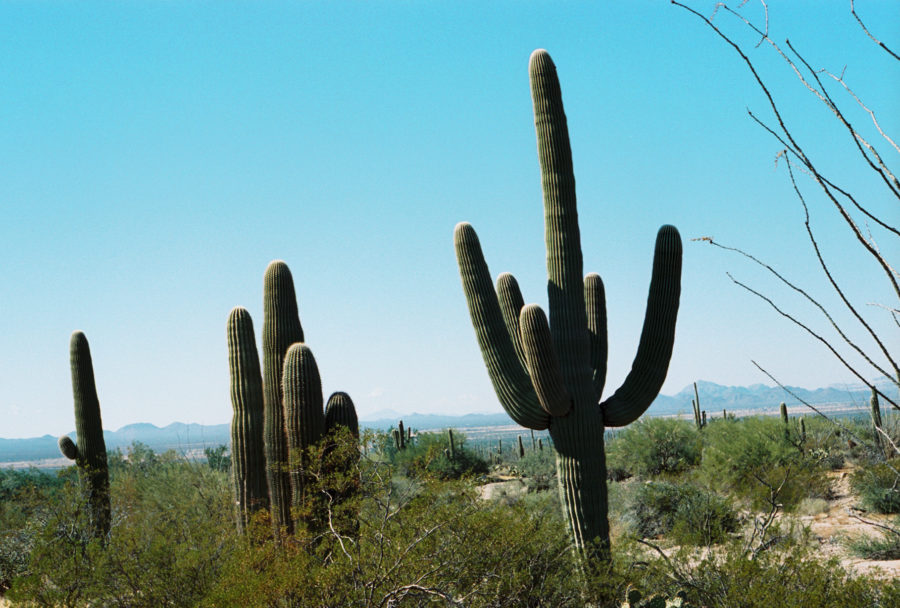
[(839, 522)]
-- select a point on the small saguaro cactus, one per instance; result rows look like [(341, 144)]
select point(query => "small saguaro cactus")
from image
[(248, 460), (401, 433), (451, 452), (521, 448), (90, 451), (695, 403), (550, 375), (782, 409), (802, 424)]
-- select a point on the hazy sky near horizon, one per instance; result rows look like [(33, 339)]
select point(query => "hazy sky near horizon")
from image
[(157, 155)]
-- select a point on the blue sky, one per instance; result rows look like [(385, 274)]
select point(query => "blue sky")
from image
[(157, 155)]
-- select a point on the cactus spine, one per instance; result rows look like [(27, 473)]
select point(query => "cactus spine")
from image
[(90, 451), (248, 460), (556, 371)]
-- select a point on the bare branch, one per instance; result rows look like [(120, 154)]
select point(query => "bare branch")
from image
[(873, 38)]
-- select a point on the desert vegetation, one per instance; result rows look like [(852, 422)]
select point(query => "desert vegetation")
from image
[(721, 521)]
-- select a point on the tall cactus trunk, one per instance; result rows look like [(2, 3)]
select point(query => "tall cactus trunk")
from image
[(281, 329), (248, 461), (90, 451)]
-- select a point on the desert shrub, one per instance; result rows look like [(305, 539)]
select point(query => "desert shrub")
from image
[(417, 544), (172, 524), (652, 446), (686, 513), (792, 577), (538, 467), (878, 486), (426, 457), (752, 459)]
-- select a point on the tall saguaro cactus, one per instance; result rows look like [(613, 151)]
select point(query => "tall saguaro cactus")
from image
[(550, 375), (248, 460), (281, 328), (90, 451)]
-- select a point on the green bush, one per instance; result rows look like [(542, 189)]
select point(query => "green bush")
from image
[(538, 467), (426, 457), (652, 446), (686, 513), (752, 459), (878, 486)]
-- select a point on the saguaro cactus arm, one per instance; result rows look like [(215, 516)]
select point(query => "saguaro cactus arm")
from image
[(651, 363), (543, 366), (595, 308), (510, 379), (511, 303), (68, 448)]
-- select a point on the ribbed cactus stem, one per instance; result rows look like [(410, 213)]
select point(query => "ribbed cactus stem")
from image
[(281, 329), (452, 447), (782, 408), (533, 444), (695, 403), (340, 411), (303, 415), (91, 447), (248, 460), (521, 448), (402, 435), (549, 370)]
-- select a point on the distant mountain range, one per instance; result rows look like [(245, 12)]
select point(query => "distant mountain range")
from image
[(742, 400)]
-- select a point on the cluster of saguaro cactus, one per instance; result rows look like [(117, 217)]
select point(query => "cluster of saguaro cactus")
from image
[(90, 451), (551, 375), (277, 413)]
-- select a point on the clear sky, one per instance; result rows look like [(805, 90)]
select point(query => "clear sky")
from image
[(155, 156)]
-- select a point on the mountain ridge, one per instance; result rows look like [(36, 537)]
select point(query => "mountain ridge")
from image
[(182, 437)]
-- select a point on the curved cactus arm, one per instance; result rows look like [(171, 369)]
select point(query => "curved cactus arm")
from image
[(543, 366), (303, 417), (561, 232), (595, 308), (511, 304), (510, 380), (340, 411), (68, 448), (651, 363)]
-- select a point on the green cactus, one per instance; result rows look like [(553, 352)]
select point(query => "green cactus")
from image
[(451, 452), (402, 435), (288, 401), (802, 424), (281, 328), (303, 415), (782, 409), (248, 460), (521, 448), (695, 403), (340, 411), (90, 451), (395, 434), (550, 375)]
